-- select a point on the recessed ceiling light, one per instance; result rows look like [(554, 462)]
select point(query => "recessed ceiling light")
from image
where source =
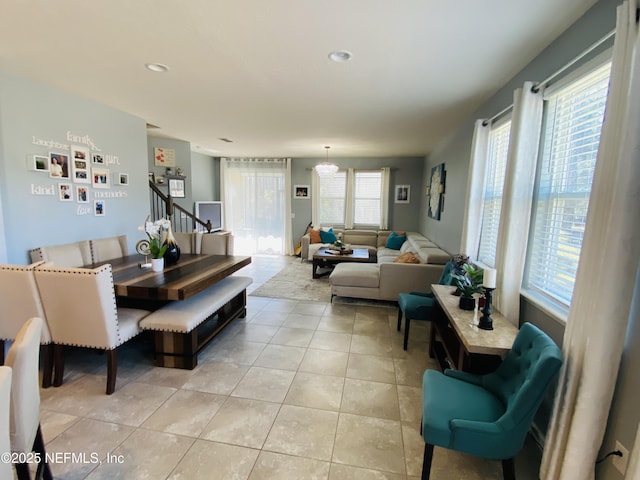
[(157, 67), (340, 56)]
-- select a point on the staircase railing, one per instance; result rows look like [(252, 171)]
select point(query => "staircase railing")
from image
[(182, 220)]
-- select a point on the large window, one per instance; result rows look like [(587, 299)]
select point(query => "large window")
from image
[(353, 199), (494, 184), (571, 134)]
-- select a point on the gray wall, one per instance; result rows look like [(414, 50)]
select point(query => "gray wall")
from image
[(205, 178), (183, 160), (404, 171), (455, 152), (28, 110)]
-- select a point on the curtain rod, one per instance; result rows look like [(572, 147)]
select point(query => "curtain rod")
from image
[(536, 88)]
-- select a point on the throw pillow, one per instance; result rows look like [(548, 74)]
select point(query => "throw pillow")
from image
[(314, 236), (406, 257), (328, 236), (395, 241)]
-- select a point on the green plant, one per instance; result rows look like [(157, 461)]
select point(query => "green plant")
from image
[(154, 230), (470, 281)]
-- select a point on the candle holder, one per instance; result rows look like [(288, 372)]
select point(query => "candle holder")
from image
[(486, 322)]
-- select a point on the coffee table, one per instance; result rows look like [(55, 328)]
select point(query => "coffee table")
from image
[(324, 258)]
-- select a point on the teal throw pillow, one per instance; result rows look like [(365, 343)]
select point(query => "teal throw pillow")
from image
[(328, 236), (395, 241)]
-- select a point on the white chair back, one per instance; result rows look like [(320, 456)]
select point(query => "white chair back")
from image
[(217, 244), (80, 306), (6, 470), (69, 255), (20, 301), (105, 249), (25, 392), (185, 241)]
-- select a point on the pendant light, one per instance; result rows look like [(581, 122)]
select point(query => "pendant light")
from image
[(326, 169)]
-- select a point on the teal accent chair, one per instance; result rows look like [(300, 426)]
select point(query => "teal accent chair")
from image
[(489, 415), (418, 305)]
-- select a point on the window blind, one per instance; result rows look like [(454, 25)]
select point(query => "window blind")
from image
[(331, 202), (571, 135), (367, 198), (492, 201)]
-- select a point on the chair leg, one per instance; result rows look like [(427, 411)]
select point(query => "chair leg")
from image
[(426, 461), (1, 352), (58, 364), (47, 365), (44, 470), (112, 370), (406, 332), (508, 469), (399, 318)]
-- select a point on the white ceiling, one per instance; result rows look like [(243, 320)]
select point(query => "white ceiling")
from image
[(257, 71)]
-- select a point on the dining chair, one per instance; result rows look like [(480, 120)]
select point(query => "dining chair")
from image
[(80, 305), (5, 443), (104, 249), (25, 432), (20, 301), (419, 305), (68, 255), (217, 244), (489, 415)]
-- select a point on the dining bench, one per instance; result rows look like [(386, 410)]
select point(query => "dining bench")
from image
[(183, 328)]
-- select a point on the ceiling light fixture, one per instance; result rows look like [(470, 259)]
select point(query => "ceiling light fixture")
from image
[(340, 56), (157, 67), (326, 169)]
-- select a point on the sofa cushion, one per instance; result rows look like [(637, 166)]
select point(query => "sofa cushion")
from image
[(328, 236), (434, 256), (407, 257), (395, 241), (314, 236), (361, 237), (356, 275)]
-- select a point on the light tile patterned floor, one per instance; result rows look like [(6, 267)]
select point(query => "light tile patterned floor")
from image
[(296, 390)]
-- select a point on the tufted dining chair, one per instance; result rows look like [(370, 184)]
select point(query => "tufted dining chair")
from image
[(80, 305), (419, 305), (5, 444), (104, 249), (25, 431), (489, 415), (69, 255), (20, 301)]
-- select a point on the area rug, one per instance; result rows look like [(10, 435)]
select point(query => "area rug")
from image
[(294, 282)]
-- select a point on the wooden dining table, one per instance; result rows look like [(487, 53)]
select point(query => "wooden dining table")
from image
[(192, 274)]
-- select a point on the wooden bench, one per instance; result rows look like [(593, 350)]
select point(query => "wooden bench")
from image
[(184, 327)]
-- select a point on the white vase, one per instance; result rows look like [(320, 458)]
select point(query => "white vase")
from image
[(157, 264)]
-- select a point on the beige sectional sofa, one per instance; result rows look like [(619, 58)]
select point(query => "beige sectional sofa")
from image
[(385, 279)]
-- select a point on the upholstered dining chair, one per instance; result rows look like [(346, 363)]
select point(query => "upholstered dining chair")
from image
[(80, 305), (69, 255), (20, 301), (419, 305), (25, 431), (104, 249), (489, 415), (5, 444)]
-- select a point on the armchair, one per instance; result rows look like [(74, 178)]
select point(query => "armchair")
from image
[(80, 306), (418, 305), (489, 415)]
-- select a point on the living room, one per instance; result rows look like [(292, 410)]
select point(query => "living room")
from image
[(30, 218)]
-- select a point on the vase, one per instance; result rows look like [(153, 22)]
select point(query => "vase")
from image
[(157, 264), (467, 303), (172, 254)]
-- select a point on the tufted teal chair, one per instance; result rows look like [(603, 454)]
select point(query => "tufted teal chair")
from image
[(418, 305), (489, 415)]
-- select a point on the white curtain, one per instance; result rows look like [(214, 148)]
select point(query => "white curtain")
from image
[(315, 197), (257, 204), (386, 178), (602, 298), (348, 200), (472, 222), (513, 232)]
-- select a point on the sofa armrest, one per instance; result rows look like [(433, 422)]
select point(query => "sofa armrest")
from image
[(304, 243), (396, 278)]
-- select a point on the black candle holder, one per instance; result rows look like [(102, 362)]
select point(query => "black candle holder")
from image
[(486, 322)]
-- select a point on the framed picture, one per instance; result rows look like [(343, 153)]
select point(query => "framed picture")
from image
[(176, 187), (164, 157), (100, 177), (39, 163), (98, 208), (435, 198), (82, 194), (123, 179), (58, 165), (65, 193), (97, 158), (403, 194), (301, 191)]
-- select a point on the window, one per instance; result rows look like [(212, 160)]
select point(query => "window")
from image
[(498, 150), (571, 134), (353, 198)]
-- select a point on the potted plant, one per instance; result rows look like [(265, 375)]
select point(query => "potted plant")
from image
[(468, 283)]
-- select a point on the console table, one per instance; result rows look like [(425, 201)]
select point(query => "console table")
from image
[(457, 342)]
